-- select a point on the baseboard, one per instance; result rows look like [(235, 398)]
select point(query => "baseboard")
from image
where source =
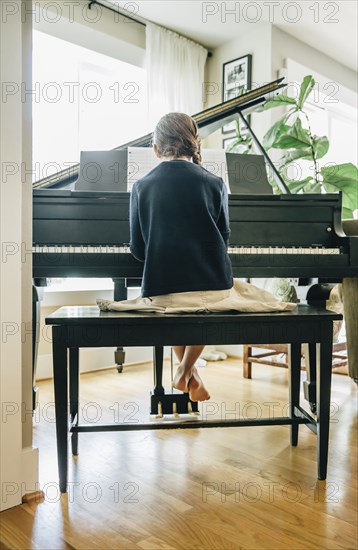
[(231, 351), (30, 470), (36, 496), (95, 359)]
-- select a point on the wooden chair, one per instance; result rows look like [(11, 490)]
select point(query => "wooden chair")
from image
[(339, 359), (319, 295)]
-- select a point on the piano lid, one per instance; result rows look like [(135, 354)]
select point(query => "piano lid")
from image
[(208, 122)]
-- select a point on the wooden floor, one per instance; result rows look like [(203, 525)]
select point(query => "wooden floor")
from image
[(235, 488)]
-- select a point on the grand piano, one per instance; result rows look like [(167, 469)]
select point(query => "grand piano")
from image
[(78, 233)]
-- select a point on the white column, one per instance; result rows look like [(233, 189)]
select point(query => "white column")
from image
[(18, 460)]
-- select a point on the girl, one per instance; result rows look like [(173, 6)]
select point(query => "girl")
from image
[(179, 226)]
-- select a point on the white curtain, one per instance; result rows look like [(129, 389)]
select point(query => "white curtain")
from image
[(175, 70)]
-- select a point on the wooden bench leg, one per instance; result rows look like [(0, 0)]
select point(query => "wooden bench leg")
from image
[(61, 401), (294, 362), (309, 385), (247, 365), (324, 378), (74, 379)]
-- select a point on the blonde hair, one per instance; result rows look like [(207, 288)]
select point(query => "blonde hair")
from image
[(177, 135)]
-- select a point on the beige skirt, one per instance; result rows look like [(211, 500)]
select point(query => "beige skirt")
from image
[(243, 297)]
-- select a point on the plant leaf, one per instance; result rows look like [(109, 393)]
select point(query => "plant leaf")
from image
[(305, 90), (320, 146), (340, 172), (294, 137), (278, 101), (276, 130), (315, 188), (305, 154), (342, 177), (347, 213), (298, 185)]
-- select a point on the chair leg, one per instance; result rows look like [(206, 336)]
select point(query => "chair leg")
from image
[(247, 365)]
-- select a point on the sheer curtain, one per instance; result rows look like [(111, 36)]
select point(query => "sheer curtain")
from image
[(175, 70)]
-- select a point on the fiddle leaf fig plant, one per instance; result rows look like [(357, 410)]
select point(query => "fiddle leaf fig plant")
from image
[(292, 135)]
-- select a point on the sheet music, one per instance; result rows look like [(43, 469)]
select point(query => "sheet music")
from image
[(142, 160)]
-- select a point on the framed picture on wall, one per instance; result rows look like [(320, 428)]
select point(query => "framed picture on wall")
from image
[(236, 81)]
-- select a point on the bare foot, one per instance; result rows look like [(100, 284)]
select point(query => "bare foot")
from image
[(181, 379), (197, 390)]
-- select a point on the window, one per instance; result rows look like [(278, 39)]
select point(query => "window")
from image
[(82, 100)]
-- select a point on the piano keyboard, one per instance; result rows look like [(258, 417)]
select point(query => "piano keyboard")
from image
[(82, 249), (124, 249), (281, 250)]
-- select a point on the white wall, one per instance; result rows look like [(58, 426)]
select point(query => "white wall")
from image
[(99, 29), (286, 46), (257, 42), (18, 460)]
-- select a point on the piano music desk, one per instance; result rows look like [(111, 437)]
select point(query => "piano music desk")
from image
[(87, 326)]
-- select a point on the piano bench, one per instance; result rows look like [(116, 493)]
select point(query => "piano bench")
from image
[(87, 326)]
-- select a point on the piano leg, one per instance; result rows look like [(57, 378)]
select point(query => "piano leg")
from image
[(120, 293), (158, 353), (157, 397)]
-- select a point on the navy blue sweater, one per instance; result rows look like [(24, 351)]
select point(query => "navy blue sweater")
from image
[(180, 228)]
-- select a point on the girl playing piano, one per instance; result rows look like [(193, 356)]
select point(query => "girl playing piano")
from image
[(179, 226)]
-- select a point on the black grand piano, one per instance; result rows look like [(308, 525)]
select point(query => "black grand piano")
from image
[(78, 233)]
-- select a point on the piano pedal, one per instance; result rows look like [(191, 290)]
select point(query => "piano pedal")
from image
[(190, 409), (160, 410), (175, 412), (174, 403)]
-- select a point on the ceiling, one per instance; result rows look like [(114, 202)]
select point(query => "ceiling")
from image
[(330, 27)]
